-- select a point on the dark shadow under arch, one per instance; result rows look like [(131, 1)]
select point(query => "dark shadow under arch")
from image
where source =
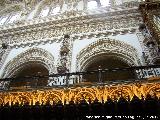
[(108, 62), (30, 69)]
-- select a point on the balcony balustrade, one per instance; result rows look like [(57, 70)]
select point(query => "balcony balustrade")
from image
[(77, 79)]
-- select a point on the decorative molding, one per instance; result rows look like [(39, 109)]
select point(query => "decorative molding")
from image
[(79, 93), (112, 47), (39, 55), (120, 22), (65, 57), (7, 6), (3, 53)]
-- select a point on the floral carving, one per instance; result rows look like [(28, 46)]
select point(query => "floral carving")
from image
[(33, 54), (80, 93), (42, 29), (108, 46)]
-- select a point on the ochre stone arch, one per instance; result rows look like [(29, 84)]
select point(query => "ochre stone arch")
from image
[(23, 99), (110, 47), (85, 93), (154, 89), (52, 96), (122, 91), (7, 98), (38, 55), (1, 100)]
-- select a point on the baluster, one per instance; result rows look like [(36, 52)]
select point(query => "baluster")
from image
[(150, 73)]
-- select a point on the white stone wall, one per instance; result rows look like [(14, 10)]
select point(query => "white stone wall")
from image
[(78, 45), (130, 39), (52, 48)]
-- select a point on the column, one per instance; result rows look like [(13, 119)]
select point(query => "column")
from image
[(65, 58)]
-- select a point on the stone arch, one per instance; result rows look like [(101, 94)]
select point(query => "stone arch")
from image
[(154, 89), (7, 98), (1, 100), (121, 50), (122, 91), (22, 98), (85, 93), (39, 55), (52, 96)]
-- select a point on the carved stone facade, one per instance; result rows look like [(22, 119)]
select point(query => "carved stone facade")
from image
[(119, 50), (111, 30), (32, 55)]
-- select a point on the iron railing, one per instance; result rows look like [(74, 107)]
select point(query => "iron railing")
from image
[(138, 74)]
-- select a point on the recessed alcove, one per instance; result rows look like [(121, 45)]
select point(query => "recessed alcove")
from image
[(108, 62), (30, 69)]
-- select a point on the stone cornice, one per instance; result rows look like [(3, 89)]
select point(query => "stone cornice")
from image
[(75, 37), (62, 19), (121, 21)]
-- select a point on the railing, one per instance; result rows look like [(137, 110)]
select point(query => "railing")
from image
[(115, 76)]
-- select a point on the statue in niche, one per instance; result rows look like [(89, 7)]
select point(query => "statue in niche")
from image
[(64, 53)]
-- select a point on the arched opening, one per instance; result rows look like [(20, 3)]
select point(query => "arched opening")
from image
[(30, 69), (108, 62)]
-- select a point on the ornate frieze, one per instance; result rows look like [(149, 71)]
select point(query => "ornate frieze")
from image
[(122, 21), (3, 53), (79, 93), (5, 3)]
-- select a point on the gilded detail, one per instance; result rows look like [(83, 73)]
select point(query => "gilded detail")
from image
[(77, 94)]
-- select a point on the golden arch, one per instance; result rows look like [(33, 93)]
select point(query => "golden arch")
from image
[(122, 91), (52, 97), (1, 100), (84, 95), (155, 89), (23, 99)]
